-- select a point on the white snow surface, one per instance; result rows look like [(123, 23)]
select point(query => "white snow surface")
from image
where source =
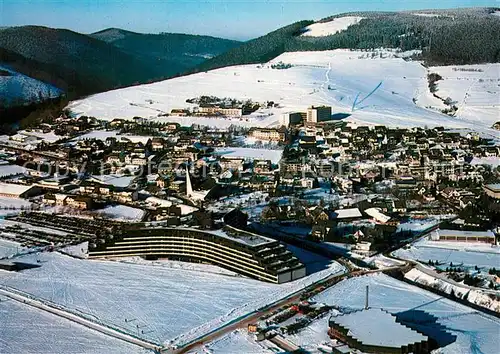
[(114, 180), (474, 88), (122, 212), (49, 137), (321, 29), (9, 248), (493, 161), (14, 203), (235, 342), (104, 134), (273, 155), (168, 304), (479, 297), (332, 78), (79, 251), (468, 254), (476, 332), (27, 330)]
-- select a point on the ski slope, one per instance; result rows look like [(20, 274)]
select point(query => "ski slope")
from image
[(339, 24), (332, 78)]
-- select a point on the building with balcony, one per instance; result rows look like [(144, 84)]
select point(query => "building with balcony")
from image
[(240, 251)]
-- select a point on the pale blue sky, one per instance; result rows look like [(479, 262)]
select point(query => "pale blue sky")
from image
[(238, 19)]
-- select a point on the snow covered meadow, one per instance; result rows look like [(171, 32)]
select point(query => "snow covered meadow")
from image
[(161, 304), (24, 329), (475, 332), (332, 78), (469, 254), (9, 248), (475, 89)]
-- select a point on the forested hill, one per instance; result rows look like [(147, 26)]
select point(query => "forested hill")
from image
[(258, 50), (80, 64), (461, 36), (169, 53)]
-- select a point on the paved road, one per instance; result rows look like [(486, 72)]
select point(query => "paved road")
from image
[(254, 317)]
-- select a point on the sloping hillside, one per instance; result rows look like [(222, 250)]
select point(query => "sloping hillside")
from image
[(17, 88), (259, 50), (170, 53), (445, 37), (79, 64), (388, 90), (73, 62)]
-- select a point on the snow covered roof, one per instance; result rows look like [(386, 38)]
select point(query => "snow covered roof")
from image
[(459, 233), (159, 202), (14, 189), (347, 213), (246, 238), (378, 328), (251, 153), (377, 215), (116, 181)]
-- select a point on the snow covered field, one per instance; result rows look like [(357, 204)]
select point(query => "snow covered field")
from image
[(470, 254), (24, 329), (251, 203), (166, 303), (474, 88), (9, 248), (317, 78), (336, 25), (13, 203), (475, 332)]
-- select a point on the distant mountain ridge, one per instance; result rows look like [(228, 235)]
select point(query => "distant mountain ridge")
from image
[(80, 64), (445, 37), (169, 53)]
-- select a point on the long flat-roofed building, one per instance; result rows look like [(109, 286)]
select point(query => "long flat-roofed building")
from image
[(240, 251), (466, 236)]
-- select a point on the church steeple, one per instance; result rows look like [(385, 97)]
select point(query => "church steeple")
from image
[(189, 187)]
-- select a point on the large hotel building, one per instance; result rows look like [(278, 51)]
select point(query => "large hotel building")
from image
[(240, 251)]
